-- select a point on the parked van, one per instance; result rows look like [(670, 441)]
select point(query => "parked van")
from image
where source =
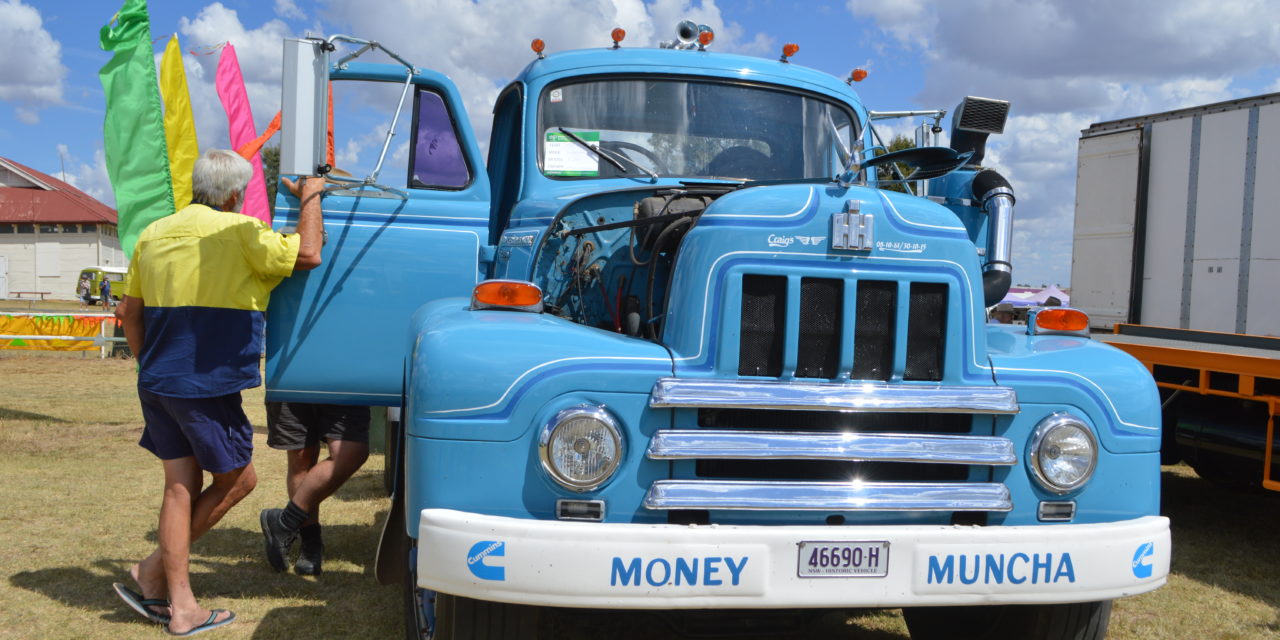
[(95, 274)]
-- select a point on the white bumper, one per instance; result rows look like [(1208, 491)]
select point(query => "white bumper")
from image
[(634, 566)]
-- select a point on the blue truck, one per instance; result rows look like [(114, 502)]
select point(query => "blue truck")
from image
[(676, 344)]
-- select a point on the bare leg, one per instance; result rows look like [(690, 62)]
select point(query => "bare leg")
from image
[(182, 480), (226, 490), (324, 477)]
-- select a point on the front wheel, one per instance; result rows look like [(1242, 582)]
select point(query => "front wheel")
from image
[(430, 615), (1073, 621)]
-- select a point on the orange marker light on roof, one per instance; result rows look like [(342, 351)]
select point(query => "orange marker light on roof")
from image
[(788, 50), (515, 295), (705, 37), (538, 45), (618, 34), (1062, 319), (858, 75)]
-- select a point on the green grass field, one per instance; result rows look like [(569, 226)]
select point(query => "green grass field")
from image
[(79, 498)]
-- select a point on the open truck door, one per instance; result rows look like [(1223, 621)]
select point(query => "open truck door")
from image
[(392, 242)]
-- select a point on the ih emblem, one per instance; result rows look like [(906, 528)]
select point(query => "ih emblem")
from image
[(851, 229)]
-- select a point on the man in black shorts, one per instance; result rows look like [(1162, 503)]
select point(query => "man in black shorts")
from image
[(297, 429)]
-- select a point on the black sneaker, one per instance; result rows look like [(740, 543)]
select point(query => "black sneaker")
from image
[(311, 553), (278, 539)]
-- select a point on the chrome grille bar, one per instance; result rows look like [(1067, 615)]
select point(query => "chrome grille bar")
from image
[(817, 396), (827, 496), (787, 445)]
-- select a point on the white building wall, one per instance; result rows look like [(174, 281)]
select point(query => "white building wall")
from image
[(74, 251)]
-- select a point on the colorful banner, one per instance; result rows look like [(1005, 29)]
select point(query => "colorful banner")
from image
[(235, 100), (133, 130), (179, 124), (87, 326)]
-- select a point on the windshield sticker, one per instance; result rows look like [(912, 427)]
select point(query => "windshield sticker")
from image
[(557, 95), (565, 157)]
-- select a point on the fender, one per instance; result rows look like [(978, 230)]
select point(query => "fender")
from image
[(1110, 386), (503, 366)]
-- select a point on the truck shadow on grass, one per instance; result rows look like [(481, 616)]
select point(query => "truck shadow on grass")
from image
[(1224, 537)]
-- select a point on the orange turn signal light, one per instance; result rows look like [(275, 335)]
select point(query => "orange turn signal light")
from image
[(789, 49), (618, 34), (705, 37), (507, 294), (858, 75), (538, 45), (1062, 320)]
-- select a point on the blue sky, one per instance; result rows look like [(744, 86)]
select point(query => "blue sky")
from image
[(1064, 65)]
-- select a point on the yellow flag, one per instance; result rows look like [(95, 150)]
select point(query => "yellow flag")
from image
[(179, 125)]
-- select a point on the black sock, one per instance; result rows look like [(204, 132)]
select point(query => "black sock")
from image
[(310, 533), (292, 517)]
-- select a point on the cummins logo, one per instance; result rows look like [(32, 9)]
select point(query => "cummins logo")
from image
[(477, 560), (1142, 560)]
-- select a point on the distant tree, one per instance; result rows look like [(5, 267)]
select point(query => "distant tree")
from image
[(271, 172), (898, 143)]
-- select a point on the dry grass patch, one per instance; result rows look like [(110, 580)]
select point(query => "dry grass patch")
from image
[(79, 499), (78, 505)]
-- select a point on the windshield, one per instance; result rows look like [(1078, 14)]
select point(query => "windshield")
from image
[(692, 129)]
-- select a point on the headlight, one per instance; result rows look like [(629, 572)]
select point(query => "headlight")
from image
[(1063, 453), (581, 447)]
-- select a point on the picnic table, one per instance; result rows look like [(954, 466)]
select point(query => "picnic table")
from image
[(19, 294)]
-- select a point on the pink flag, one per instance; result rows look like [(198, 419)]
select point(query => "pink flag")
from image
[(240, 122)]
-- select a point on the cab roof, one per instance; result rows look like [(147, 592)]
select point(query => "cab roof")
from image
[(685, 62)]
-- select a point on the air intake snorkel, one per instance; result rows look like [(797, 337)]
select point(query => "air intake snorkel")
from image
[(973, 120), (996, 197)]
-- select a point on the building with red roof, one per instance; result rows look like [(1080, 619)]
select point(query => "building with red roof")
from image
[(49, 231)]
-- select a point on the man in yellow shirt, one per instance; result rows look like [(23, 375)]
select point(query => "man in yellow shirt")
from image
[(193, 313)]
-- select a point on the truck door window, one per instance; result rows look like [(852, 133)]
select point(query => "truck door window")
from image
[(435, 156), (424, 153)]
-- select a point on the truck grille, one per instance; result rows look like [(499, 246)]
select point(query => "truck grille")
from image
[(821, 329), (774, 445)]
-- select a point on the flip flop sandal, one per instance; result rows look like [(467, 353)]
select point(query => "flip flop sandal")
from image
[(208, 624), (140, 604)]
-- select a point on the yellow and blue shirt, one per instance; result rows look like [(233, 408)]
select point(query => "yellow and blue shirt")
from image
[(205, 277)]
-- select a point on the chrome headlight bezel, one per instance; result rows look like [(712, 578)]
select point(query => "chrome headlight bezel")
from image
[(562, 417), (1055, 422)]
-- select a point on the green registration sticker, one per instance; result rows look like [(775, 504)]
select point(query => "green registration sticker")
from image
[(562, 156)]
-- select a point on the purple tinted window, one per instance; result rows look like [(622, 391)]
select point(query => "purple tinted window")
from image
[(437, 156)]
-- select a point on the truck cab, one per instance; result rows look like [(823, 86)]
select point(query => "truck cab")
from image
[(674, 345)]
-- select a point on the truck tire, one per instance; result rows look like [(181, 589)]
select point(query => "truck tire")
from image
[(431, 615), (1074, 621)]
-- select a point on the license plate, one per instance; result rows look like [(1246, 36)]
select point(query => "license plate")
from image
[(843, 559)]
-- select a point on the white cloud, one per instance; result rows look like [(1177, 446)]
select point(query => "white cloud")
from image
[(259, 53), (910, 22), (288, 9), (91, 177), (1065, 65), (482, 45), (32, 72), (27, 116)]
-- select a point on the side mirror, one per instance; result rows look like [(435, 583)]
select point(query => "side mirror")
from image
[(304, 106)]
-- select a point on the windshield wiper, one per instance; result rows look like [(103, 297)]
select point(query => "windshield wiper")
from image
[(612, 158)]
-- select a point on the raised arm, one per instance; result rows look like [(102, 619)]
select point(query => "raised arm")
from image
[(308, 190)]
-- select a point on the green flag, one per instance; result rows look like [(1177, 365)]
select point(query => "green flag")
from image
[(133, 133)]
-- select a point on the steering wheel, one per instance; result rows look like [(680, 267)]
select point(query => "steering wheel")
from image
[(742, 162), (619, 145)]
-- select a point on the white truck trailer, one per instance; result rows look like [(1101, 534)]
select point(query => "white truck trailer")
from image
[(1175, 254)]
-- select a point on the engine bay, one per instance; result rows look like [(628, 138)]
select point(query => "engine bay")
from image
[(607, 260)]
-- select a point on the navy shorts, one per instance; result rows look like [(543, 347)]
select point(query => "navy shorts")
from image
[(214, 430), (298, 425)]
